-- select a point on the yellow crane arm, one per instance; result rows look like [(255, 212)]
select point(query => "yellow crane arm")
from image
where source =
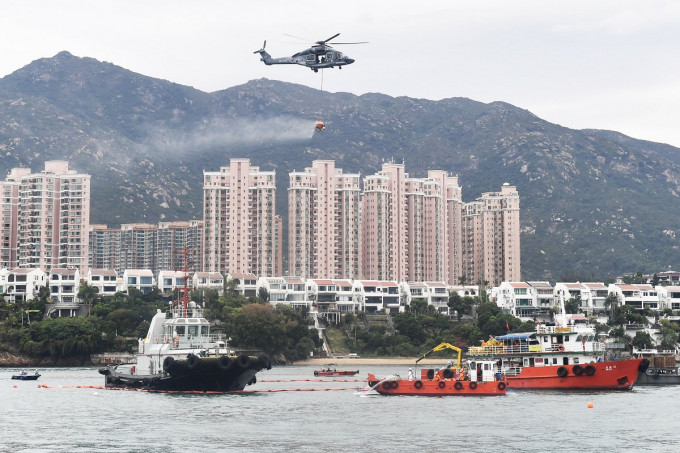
[(441, 347)]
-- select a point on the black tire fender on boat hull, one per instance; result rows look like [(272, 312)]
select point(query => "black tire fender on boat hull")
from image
[(168, 364), (225, 363), (562, 371), (643, 365), (243, 361)]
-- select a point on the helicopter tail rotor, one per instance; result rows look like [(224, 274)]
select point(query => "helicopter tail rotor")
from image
[(263, 46)]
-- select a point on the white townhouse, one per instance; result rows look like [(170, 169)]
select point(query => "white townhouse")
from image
[(169, 281), (105, 281), (333, 298), (4, 273), (598, 296), (24, 284), (246, 283), (669, 297), (565, 291), (638, 296), (296, 292), (208, 280), (374, 296), (276, 288), (517, 298), (141, 279), (64, 285)]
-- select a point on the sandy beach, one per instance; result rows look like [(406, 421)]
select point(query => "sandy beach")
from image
[(372, 361)]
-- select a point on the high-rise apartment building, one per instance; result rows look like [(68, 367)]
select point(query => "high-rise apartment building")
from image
[(323, 222), (46, 218), (491, 237), (147, 246), (411, 226), (239, 219), (9, 248), (384, 224)]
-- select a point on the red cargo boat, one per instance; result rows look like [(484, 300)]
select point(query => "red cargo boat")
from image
[(558, 358), (331, 370)]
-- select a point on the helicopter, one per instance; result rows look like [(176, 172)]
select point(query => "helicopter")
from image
[(319, 56)]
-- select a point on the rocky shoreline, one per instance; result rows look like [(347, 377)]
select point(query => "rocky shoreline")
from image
[(9, 360)]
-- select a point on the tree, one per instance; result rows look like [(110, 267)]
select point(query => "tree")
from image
[(418, 306), (263, 295), (461, 304), (643, 340), (669, 335), (573, 305), (86, 293)]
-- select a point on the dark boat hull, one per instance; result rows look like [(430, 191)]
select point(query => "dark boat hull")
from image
[(27, 377), (669, 376), (197, 375)]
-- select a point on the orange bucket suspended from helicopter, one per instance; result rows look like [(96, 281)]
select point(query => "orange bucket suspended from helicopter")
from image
[(320, 126)]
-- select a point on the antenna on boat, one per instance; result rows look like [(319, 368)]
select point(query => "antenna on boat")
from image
[(563, 313), (184, 292)]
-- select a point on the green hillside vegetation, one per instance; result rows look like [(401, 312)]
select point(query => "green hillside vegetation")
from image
[(593, 203), (283, 333)]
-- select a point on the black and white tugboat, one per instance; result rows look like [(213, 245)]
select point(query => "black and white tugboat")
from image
[(180, 354)]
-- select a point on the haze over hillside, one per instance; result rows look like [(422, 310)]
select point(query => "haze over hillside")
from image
[(593, 203)]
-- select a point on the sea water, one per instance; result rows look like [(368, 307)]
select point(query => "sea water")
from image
[(290, 410)]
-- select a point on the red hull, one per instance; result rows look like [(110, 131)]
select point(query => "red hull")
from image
[(614, 375), (441, 388)]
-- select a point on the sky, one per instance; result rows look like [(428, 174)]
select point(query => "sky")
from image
[(583, 64)]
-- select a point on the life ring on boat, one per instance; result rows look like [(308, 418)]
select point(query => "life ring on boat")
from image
[(501, 386), (193, 361), (168, 364), (458, 385), (448, 373), (224, 363), (472, 385), (643, 365), (590, 370), (430, 374), (560, 348), (441, 384), (562, 371), (418, 385), (243, 361), (577, 370), (176, 342)]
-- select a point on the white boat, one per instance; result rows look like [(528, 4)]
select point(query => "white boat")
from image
[(180, 354)]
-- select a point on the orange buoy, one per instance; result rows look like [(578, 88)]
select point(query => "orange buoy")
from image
[(590, 404)]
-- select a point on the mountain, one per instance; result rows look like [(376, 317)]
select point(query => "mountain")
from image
[(593, 203)]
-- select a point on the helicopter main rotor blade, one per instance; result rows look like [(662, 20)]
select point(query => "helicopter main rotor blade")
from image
[(297, 37), (343, 43), (324, 42)]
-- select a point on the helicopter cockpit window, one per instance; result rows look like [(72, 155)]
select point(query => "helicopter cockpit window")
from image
[(339, 55), (329, 56)]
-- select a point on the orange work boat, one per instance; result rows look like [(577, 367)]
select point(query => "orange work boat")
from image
[(452, 379), (440, 386)]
